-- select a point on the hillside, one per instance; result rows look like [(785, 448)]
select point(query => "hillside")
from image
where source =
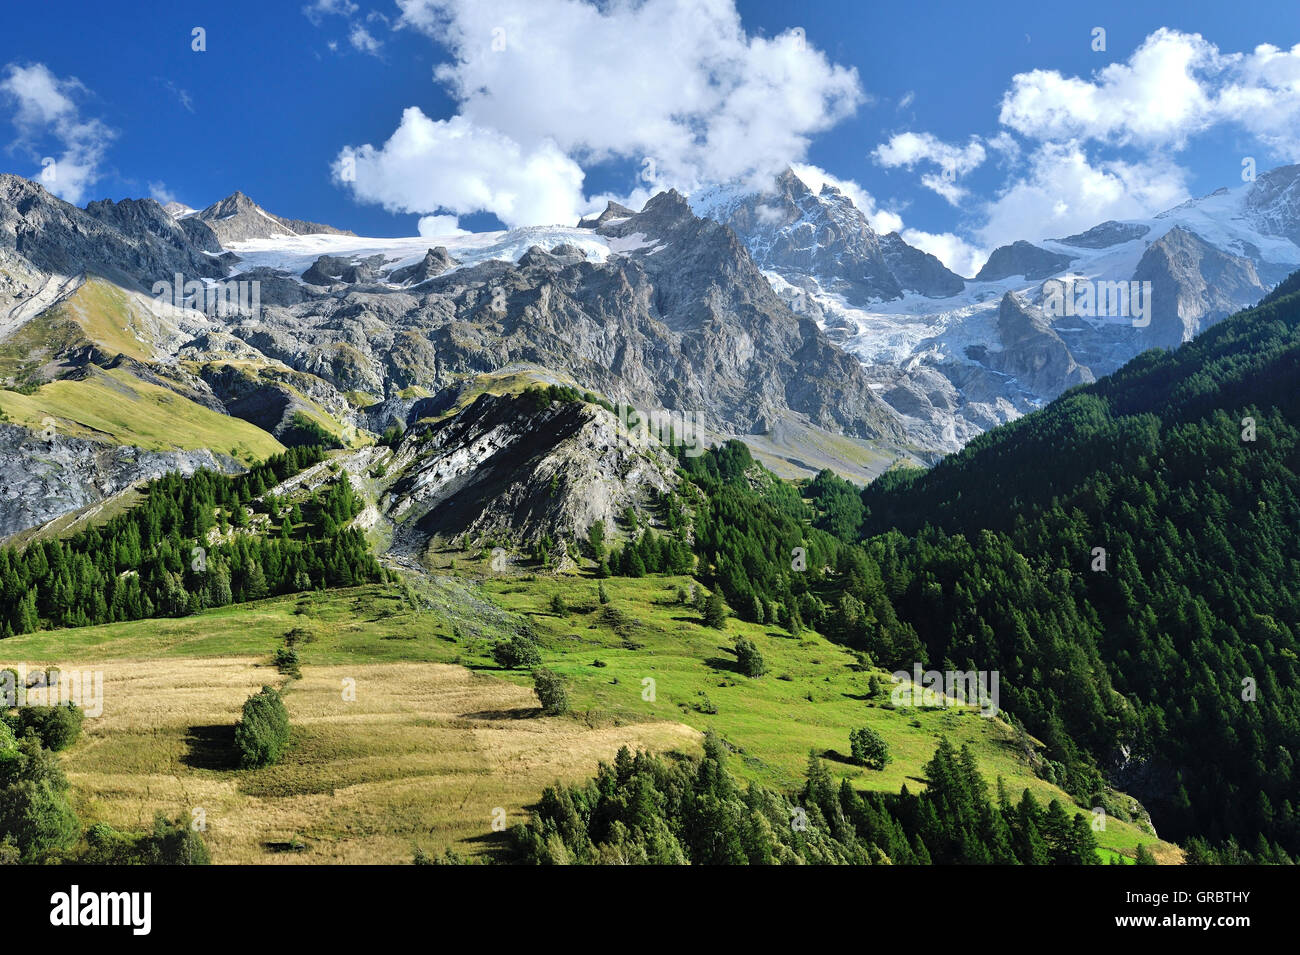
[(1184, 467)]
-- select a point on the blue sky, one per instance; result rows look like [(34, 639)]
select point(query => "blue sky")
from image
[(963, 125)]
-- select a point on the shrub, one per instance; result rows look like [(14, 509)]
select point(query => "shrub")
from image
[(868, 748), (516, 652), (558, 606), (550, 692), (286, 661), (715, 611), (750, 660), (35, 818), (263, 730), (57, 726), (170, 843)]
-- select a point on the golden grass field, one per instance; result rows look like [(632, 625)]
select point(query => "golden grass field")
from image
[(423, 756)]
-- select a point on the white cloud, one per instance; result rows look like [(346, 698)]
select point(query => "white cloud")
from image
[(1063, 192), (317, 11), (568, 82), (159, 192), (455, 166), (1263, 96), (182, 95), (45, 113), (1173, 86), (433, 226), (953, 251), (908, 149), (362, 40), (1159, 96)]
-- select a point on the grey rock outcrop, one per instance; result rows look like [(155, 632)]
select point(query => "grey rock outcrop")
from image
[(42, 480), (1106, 234), (1032, 352), (1022, 258), (510, 469), (435, 262), (1193, 285)]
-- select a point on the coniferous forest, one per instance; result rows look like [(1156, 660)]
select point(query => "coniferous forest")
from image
[(1127, 558), (190, 544)]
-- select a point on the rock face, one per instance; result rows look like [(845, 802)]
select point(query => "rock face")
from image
[(133, 243), (1273, 205), (823, 237), (1107, 234), (1022, 258), (612, 211), (1193, 285), (238, 218), (42, 480), (435, 262), (1032, 353), (918, 271), (514, 468)]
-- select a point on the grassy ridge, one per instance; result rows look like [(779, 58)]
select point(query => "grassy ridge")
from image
[(114, 406)]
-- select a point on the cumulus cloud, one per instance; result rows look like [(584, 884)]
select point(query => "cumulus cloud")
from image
[(1063, 192), (952, 250), (1159, 96), (455, 166), (908, 149), (1174, 86), (45, 113), (676, 87)]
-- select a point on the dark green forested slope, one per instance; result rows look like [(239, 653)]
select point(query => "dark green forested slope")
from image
[(1199, 601), (1170, 670), (188, 545)]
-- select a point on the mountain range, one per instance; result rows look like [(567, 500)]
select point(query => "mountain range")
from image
[(780, 317)]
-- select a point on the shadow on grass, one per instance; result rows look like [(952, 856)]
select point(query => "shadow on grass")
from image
[(835, 756), (721, 663), (211, 747), (517, 713)]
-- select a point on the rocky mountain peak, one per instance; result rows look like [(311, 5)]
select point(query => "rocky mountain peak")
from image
[(237, 218), (822, 241), (613, 210)]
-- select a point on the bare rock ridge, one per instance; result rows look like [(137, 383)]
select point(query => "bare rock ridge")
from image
[(1022, 258), (512, 467), (823, 240), (133, 243), (42, 480), (238, 218)]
